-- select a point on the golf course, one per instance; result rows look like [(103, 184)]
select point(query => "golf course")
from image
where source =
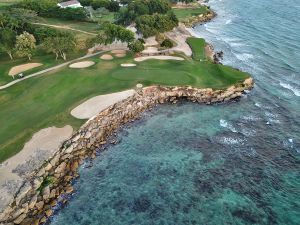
[(47, 100)]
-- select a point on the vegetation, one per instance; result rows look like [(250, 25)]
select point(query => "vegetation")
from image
[(25, 45), (198, 47), (7, 41), (128, 14), (60, 44), (149, 25), (52, 96), (184, 13), (47, 100), (136, 46), (48, 60), (167, 43), (46, 182), (111, 5), (49, 8)]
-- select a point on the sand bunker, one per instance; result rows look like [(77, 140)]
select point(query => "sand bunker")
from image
[(106, 57), (150, 50), (95, 105), (119, 51), (150, 41), (15, 170), (22, 68), (83, 64), (128, 64), (160, 57), (120, 55)]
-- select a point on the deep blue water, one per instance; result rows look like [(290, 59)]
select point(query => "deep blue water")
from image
[(236, 163)]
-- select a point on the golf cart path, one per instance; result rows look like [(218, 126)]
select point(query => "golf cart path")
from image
[(53, 68)]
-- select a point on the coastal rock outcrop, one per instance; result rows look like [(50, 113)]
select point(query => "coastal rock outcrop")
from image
[(33, 204)]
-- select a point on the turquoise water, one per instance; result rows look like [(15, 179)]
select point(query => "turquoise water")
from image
[(235, 163)]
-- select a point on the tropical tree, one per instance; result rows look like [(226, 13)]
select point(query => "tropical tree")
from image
[(115, 32), (60, 45), (7, 41), (136, 46), (25, 45), (3, 20)]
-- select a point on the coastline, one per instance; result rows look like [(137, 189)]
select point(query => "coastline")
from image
[(34, 201)]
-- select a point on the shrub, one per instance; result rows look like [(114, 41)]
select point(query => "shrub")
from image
[(136, 46), (167, 43)]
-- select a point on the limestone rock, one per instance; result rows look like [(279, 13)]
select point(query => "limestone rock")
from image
[(32, 202), (49, 212), (39, 205), (46, 193), (61, 168), (20, 219), (22, 193)]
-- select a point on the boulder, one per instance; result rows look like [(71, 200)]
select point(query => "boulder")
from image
[(46, 193), (32, 202), (39, 205), (23, 192), (61, 167), (20, 219)]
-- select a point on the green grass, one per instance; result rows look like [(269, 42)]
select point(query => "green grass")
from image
[(185, 13), (198, 48), (47, 60), (79, 25), (47, 100)]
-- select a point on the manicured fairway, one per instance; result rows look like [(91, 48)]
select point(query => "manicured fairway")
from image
[(47, 100), (197, 45), (185, 13), (47, 60)]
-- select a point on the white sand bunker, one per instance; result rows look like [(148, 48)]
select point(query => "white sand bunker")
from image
[(118, 51), (160, 57), (22, 68), (150, 50), (128, 65), (83, 64), (95, 105), (120, 55), (39, 148), (106, 57)]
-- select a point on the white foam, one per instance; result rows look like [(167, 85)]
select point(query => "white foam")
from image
[(228, 21), (243, 56), (257, 104), (295, 90), (213, 31), (250, 118), (224, 123), (270, 115), (290, 140), (231, 141)]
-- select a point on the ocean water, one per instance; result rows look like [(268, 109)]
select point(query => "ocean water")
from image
[(235, 163)]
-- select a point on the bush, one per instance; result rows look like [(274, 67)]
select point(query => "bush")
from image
[(41, 33), (149, 25), (167, 43), (136, 46), (49, 8)]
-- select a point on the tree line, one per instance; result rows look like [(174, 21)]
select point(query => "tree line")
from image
[(18, 37), (151, 17)]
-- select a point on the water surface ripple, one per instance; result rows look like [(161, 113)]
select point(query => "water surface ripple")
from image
[(236, 163)]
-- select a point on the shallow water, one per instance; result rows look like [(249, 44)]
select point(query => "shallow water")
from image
[(235, 163)]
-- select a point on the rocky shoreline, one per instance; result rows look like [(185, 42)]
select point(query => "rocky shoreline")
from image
[(34, 202)]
